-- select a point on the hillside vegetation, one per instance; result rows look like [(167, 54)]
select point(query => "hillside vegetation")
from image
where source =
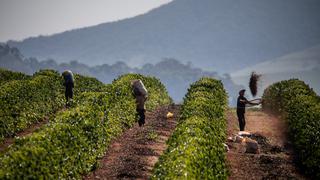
[(175, 75), (216, 35)]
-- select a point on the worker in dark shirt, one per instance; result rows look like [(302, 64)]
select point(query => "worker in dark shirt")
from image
[(241, 109), (141, 94), (69, 84)]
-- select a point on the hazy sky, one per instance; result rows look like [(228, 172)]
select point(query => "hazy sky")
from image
[(20, 19)]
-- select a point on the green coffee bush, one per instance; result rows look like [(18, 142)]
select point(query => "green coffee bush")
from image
[(299, 105), (158, 95), (7, 76), (195, 150), (23, 102), (27, 99), (69, 146)]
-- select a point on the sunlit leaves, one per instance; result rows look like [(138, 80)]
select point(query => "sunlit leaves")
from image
[(195, 149), (73, 140)]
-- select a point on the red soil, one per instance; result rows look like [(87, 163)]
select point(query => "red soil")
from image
[(276, 158), (133, 154)]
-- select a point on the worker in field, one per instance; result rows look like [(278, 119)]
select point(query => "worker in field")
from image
[(241, 108), (69, 85), (141, 94)]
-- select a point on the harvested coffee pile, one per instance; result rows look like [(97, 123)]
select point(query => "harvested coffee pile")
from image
[(253, 83)]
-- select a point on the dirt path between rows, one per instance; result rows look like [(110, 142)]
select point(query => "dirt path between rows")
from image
[(133, 154), (32, 128), (275, 160)]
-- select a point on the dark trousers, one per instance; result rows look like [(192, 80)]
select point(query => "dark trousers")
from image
[(69, 91), (242, 120), (142, 116)]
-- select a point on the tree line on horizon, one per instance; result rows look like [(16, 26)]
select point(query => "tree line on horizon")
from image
[(174, 74)]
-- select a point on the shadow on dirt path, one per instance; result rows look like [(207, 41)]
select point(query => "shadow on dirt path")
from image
[(133, 154), (275, 160)]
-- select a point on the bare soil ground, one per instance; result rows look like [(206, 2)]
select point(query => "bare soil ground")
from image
[(276, 158), (134, 153)]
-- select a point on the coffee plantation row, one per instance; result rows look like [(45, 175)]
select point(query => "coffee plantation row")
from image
[(25, 100), (6, 76), (299, 105), (70, 144), (195, 150)]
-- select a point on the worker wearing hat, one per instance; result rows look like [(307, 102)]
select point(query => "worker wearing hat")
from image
[(241, 108)]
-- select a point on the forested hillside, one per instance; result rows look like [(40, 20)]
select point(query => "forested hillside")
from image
[(174, 74), (221, 36)]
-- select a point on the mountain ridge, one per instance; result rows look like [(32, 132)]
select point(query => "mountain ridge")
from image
[(214, 35), (305, 60), (303, 65)]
